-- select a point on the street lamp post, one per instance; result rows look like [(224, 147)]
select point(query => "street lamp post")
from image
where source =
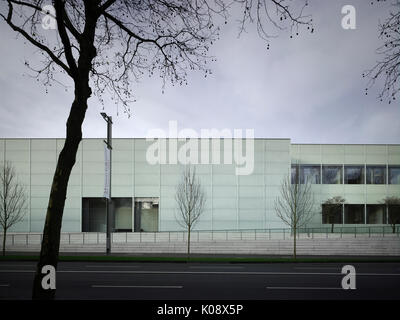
[(108, 119)]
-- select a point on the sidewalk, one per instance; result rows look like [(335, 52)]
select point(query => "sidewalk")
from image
[(227, 257)]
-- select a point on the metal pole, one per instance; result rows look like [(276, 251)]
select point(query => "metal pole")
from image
[(109, 217), (108, 119), (108, 241)]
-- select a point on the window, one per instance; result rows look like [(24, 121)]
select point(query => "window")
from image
[(376, 174), (146, 214), (331, 174), (354, 214), (122, 214), (354, 174), (394, 175), (294, 174), (310, 173), (332, 214), (94, 214), (376, 214), (394, 214)]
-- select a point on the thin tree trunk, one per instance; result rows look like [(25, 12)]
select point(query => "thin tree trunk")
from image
[(4, 241), (332, 228), (294, 243), (188, 245), (66, 160)]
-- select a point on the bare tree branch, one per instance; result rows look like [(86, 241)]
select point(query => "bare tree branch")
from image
[(387, 68), (190, 199), (60, 11), (135, 38), (12, 199), (332, 208), (32, 39), (393, 205), (295, 206)]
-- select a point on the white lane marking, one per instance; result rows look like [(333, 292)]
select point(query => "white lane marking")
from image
[(205, 272), (316, 268), (17, 265), (112, 266), (4, 285), (303, 288), (215, 267), (139, 287)]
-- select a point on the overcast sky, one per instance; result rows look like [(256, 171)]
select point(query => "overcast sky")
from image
[(308, 88)]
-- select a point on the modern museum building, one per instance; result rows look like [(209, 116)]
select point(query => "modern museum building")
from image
[(241, 179)]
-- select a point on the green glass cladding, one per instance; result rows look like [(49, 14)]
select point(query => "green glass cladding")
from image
[(362, 174)]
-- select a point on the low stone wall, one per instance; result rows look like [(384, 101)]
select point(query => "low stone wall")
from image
[(217, 243)]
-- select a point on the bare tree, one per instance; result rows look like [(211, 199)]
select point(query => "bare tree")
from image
[(295, 206), (393, 205), (103, 46), (12, 200), (332, 209), (190, 199), (387, 67)]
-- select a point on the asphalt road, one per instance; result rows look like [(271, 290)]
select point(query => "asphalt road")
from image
[(204, 281)]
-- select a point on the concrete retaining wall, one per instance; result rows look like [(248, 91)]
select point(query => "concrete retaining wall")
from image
[(135, 243)]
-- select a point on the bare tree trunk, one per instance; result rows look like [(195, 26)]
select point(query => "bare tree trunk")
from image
[(4, 241), (294, 242), (188, 244), (66, 160), (332, 228)]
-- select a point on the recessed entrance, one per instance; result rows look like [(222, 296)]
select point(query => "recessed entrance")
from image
[(94, 214)]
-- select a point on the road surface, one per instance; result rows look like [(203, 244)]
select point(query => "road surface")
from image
[(205, 281)]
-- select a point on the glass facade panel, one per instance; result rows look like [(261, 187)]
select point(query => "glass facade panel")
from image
[(394, 175), (331, 174), (294, 174), (376, 214), (394, 214), (376, 174), (310, 173), (354, 214), (94, 214), (123, 214), (146, 214), (354, 174), (332, 214)]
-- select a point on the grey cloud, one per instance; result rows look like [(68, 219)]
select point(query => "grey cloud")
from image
[(308, 88)]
